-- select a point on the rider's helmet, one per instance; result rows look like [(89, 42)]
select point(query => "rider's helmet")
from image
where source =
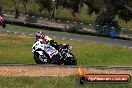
[(39, 35), (1, 19)]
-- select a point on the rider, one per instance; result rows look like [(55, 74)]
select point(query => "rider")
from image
[(46, 39)]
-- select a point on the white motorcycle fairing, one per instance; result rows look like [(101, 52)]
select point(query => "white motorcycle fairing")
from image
[(40, 52), (51, 51)]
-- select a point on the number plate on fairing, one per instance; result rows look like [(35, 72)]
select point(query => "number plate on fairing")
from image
[(51, 51)]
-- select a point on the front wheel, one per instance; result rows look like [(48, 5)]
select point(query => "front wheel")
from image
[(4, 25), (40, 59)]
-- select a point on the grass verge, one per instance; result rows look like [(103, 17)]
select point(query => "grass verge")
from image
[(51, 82)]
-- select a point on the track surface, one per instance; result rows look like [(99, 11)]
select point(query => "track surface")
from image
[(74, 37)]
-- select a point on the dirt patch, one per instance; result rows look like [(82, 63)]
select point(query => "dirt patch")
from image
[(35, 71), (52, 71)]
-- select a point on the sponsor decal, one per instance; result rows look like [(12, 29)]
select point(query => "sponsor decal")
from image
[(102, 78)]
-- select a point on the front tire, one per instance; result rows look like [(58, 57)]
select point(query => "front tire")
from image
[(4, 25), (39, 59)]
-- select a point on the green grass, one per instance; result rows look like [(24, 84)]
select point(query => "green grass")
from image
[(17, 49), (52, 82)]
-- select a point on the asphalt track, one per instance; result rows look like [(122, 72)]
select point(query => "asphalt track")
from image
[(126, 43)]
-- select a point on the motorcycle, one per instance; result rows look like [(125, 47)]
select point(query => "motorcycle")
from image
[(44, 53), (2, 22)]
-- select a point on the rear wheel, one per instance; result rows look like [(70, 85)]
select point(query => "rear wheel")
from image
[(40, 59), (71, 60)]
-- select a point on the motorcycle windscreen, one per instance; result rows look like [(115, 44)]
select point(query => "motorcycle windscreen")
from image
[(51, 51)]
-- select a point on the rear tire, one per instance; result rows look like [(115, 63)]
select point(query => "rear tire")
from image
[(71, 60)]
